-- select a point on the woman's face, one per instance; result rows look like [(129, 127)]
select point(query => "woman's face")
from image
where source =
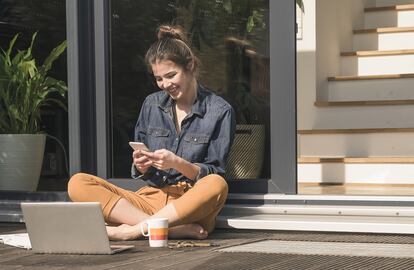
[(172, 78)]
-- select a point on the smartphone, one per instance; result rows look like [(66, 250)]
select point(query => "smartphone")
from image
[(138, 146)]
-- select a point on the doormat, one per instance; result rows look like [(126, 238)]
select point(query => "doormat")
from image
[(326, 248)]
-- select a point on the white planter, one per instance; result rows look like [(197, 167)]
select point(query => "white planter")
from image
[(21, 157), (246, 156)]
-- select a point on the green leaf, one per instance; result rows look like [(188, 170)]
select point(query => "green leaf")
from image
[(25, 89), (56, 101), (250, 24), (28, 67), (227, 6), (29, 50), (56, 52), (300, 5), (11, 44)]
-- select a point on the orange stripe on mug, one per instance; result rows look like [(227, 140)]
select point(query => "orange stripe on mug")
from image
[(158, 233), (158, 237)]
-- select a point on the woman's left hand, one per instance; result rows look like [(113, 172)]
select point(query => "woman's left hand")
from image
[(162, 159)]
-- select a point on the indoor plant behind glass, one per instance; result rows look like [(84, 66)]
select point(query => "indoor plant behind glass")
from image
[(25, 88), (246, 157), (247, 153)]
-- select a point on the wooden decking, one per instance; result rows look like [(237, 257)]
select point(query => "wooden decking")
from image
[(143, 257), (140, 257)]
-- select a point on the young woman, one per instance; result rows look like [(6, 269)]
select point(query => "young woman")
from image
[(189, 132)]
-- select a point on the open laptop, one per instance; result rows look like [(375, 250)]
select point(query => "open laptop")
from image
[(67, 227)]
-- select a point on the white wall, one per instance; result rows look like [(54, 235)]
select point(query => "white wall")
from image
[(306, 67), (327, 31), (335, 22)]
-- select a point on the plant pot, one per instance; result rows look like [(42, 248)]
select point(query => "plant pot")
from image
[(21, 157), (246, 156)]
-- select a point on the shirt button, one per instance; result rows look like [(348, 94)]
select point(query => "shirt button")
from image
[(195, 139), (176, 139)]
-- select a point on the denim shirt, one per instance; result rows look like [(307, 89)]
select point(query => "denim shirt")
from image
[(205, 138)]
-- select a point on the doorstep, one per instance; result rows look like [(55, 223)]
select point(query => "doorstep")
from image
[(10, 202)]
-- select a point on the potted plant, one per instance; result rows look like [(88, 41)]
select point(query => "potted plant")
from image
[(25, 88), (247, 153)]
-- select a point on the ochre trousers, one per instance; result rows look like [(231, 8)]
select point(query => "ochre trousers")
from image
[(199, 204)]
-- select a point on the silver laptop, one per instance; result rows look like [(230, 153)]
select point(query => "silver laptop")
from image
[(67, 227)]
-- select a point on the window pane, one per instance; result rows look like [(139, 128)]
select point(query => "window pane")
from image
[(48, 18), (231, 38)]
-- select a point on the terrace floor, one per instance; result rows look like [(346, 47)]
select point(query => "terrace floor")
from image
[(144, 257)]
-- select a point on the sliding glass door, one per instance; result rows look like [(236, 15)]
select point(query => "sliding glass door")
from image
[(233, 41)]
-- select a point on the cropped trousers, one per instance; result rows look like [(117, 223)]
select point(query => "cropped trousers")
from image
[(199, 203)]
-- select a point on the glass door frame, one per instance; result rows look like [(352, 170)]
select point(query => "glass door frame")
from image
[(282, 95), (89, 139)]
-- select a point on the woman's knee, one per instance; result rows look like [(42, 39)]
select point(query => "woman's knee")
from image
[(217, 184), (75, 185)]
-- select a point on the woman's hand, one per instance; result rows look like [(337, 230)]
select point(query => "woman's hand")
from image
[(141, 162), (122, 232), (162, 159)]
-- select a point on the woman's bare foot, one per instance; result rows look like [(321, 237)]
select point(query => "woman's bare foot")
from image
[(192, 231)]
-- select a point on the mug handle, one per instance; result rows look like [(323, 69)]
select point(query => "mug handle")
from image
[(142, 228)]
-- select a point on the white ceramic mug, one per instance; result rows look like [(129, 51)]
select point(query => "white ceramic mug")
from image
[(157, 231)]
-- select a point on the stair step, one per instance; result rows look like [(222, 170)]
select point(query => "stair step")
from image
[(363, 103), (362, 63), (318, 223), (357, 170), (384, 41), (390, 8), (373, 88), (377, 53), (355, 131), (10, 210), (286, 199), (357, 143), (382, 3), (371, 77), (398, 176), (13, 216), (33, 196), (334, 210), (384, 30), (389, 17), (361, 117), (356, 160), (10, 205)]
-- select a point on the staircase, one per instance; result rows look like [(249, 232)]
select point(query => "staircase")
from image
[(366, 132)]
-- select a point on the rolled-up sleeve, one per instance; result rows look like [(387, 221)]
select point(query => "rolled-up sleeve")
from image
[(220, 144)]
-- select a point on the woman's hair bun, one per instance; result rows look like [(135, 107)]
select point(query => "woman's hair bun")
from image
[(174, 32)]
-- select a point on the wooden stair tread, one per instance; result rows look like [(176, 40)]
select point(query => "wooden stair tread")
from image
[(364, 103), (390, 8), (354, 131), (384, 30), (371, 77), (377, 53), (355, 160)]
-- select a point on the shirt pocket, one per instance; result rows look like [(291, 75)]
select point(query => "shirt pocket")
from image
[(157, 138), (195, 147)]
